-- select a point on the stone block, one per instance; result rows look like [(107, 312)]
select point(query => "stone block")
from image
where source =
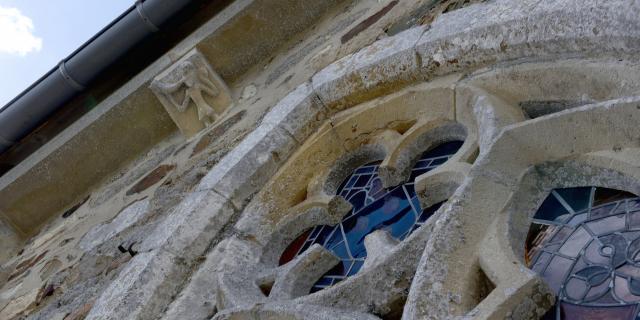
[(297, 277), (370, 72), (189, 229), (292, 311), (9, 242), (192, 93), (151, 279), (142, 288), (125, 219), (300, 113), (503, 30), (20, 306), (249, 166), (198, 300)]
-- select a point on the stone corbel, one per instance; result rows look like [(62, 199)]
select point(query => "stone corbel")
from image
[(193, 94)]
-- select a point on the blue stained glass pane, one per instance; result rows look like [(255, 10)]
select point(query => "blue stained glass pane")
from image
[(351, 182), (334, 239), (551, 210), (324, 281), (315, 232), (306, 246), (348, 194), (362, 181), (577, 198), (324, 233), (445, 149), (416, 173), (358, 200), (402, 222), (416, 204), (366, 169), (376, 191), (340, 250), (422, 164), (439, 161), (428, 212), (394, 210), (316, 288), (357, 264), (410, 189), (633, 205)]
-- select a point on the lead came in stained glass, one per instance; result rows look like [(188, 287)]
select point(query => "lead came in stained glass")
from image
[(396, 210), (585, 243)]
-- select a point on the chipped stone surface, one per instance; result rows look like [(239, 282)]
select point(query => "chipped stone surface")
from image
[(292, 311), (125, 219), (378, 244), (388, 62), (246, 168), (216, 133), (504, 30), (198, 299), (296, 278), (139, 288), (190, 228), (300, 113), (80, 313)]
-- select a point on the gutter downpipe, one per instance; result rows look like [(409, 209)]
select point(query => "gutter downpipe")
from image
[(34, 105)]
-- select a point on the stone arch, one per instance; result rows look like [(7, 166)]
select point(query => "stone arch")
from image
[(385, 129)]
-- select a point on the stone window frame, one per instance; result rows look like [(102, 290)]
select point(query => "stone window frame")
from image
[(596, 214), (403, 129), (602, 169), (538, 162)]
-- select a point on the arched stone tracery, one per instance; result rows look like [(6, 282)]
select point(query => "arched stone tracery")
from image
[(330, 187), (395, 210)]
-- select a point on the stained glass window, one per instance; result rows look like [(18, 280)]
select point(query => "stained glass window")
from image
[(396, 210), (585, 243)]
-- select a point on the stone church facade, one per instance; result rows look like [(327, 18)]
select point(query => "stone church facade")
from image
[(347, 160)]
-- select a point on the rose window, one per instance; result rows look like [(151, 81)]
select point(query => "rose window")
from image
[(585, 243), (396, 210)]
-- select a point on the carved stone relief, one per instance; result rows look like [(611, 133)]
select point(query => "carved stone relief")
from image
[(192, 93)]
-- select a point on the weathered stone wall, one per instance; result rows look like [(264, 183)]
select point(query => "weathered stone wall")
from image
[(193, 229)]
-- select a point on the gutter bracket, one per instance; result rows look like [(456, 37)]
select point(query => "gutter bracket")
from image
[(67, 77), (143, 15)]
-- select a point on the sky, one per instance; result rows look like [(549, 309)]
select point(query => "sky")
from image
[(35, 35)]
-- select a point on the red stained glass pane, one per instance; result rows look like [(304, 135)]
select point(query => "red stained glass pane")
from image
[(293, 248)]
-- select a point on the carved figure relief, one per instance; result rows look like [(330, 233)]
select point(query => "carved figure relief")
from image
[(196, 82), (192, 82)]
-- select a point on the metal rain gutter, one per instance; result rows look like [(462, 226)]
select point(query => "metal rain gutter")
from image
[(34, 105)]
